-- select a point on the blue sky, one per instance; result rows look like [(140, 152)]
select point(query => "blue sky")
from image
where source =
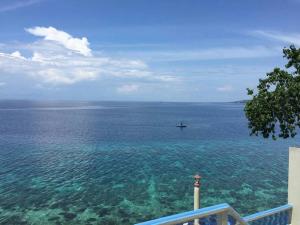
[(158, 50)]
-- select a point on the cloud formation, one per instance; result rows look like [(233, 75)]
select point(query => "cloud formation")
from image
[(51, 34), (18, 4), (287, 38), (128, 88), (210, 53), (60, 59), (17, 55), (225, 88)]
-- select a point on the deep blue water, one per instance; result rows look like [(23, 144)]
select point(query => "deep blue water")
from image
[(121, 163)]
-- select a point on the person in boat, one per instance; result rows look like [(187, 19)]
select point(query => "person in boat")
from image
[(181, 124)]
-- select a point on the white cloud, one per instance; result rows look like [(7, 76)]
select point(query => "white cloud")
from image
[(166, 78), (17, 54), (52, 60), (18, 4), (210, 53), (61, 68), (225, 88), (51, 34), (128, 88), (287, 38), (2, 84)]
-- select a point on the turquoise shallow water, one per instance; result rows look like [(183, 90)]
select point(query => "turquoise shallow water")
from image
[(122, 163)]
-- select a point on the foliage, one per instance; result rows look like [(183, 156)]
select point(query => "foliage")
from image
[(275, 109)]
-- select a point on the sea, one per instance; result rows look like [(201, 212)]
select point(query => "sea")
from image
[(79, 162)]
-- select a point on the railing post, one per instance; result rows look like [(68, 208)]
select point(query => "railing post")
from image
[(222, 219), (294, 184), (197, 196)]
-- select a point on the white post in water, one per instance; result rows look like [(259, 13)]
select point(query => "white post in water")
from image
[(197, 196), (294, 184)]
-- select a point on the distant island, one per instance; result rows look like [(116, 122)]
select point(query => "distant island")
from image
[(241, 101)]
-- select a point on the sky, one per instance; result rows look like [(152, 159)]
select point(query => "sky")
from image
[(141, 50)]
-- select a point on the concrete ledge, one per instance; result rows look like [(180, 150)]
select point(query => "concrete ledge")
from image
[(294, 183)]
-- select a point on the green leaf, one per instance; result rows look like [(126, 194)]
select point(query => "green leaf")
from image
[(274, 111)]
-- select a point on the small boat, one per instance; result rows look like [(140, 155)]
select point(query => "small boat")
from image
[(181, 125)]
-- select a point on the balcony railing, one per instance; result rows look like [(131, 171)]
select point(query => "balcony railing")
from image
[(224, 214)]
